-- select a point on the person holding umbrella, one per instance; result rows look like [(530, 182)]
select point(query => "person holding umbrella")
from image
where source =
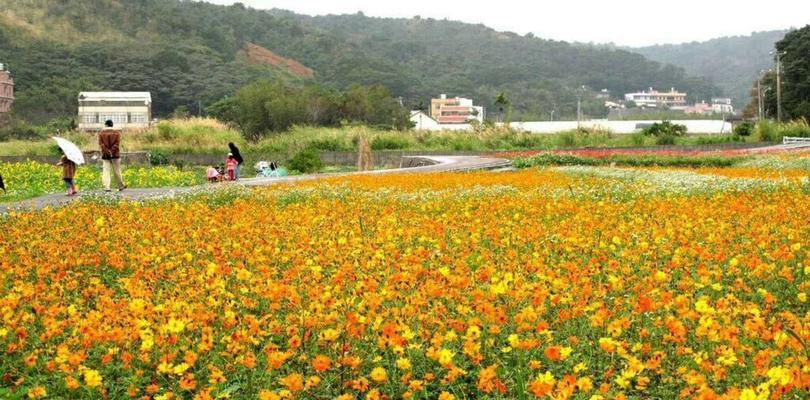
[(72, 157), (68, 172)]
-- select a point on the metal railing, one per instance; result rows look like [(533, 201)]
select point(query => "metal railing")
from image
[(795, 140)]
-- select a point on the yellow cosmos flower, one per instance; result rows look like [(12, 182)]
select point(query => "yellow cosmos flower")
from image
[(92, 378), (379, 374)]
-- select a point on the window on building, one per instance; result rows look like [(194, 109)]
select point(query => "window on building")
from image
[(116, 118), (89, 118), (138, 118)]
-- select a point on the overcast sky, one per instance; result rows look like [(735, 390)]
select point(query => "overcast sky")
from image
[(624, 22)]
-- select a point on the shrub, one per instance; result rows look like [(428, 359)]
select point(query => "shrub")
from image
[(306, 161), (767, 131), (21, 131), (665, 128), (158, 158), (744, 129), (328, 144), (167, 131), (772, 132), (389, 143), (665, 140)]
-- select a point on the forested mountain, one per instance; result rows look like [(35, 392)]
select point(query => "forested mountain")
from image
[(192, 53), (730, 62)]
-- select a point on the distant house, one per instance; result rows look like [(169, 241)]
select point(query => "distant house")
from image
[(456, 110), (423, 122), (6, 92), (656, 99), (717, 106), (722, 105), (127, 110), (701, 108)]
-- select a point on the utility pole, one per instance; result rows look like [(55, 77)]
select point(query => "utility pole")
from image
[(779, 85), (580, 90), (759, 99)]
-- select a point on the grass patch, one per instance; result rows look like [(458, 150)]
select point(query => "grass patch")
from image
[(549, 159)]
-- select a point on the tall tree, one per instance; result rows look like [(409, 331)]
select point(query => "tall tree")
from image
[(504, 105), (795, 56)]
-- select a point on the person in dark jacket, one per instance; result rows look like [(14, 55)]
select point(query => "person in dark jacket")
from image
[(109, 140), (238, 156)]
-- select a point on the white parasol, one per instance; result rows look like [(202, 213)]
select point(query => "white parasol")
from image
[(72, 152)]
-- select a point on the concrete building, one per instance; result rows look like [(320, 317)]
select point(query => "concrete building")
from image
[(656, 99), (456, 110), (6, 92), (127, 110), (722, 105)]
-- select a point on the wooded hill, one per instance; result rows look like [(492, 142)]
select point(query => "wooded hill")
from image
[(191, 54), (732, 63)]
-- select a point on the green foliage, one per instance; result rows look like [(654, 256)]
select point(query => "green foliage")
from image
[(306, 161), (795, 48), (718, 139), (181, 112), (665, 140), (665, 129), (389, 142), (767, 131), (567, 139), (744, 129), (550, 159), (157, 158), (266, 107), (184, 52), (19, 130), (329, 144), (638, 139)]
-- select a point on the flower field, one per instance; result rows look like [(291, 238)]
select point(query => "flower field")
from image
[(572, 282), (29, 179)]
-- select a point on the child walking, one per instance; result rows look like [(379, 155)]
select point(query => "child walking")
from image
[(68, 172), (231, 164)]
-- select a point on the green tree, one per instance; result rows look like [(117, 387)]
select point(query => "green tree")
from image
[(504, 105), (795, 50)]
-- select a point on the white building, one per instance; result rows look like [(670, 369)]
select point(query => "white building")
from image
[(722, 105), (423, 122), (455, 110), (656, 99), (131, 110)]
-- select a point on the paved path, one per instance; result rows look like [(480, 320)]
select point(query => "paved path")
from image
[(430, 164)]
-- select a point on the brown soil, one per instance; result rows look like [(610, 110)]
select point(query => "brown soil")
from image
[(259, 55)]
